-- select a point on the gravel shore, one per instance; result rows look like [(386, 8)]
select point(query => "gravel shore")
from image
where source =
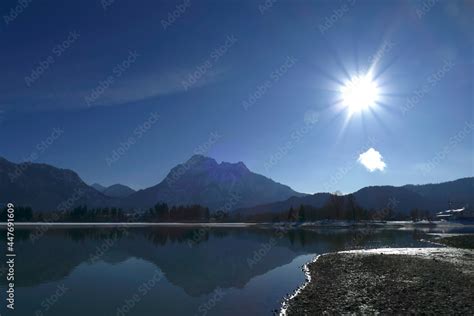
[(388, 281)]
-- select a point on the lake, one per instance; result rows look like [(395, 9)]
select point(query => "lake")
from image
[(172, 270)]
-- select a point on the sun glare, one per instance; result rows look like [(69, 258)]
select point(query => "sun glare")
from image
[(359, 93)]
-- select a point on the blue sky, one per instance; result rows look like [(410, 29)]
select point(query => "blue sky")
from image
[(158, 81)]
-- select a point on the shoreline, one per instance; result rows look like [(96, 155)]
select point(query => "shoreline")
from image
[(128, 224), (357, 281), (306, 225)]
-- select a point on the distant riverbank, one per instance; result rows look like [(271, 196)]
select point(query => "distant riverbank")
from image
[(387, 281), (128, 224), (278, 225)]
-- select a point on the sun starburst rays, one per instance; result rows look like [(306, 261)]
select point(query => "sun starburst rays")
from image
[(359, 93)]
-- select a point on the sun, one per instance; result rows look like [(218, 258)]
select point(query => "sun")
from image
[(360, 93)]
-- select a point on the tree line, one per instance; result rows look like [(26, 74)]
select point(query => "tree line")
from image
[(159, 213), (336, 208)]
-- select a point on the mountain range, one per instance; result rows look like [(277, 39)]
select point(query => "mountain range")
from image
[(220, 186), (200, 180), (116, 190), (46, 188), (431, 197)]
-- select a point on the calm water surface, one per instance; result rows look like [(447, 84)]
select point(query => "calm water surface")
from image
[(172, 271)]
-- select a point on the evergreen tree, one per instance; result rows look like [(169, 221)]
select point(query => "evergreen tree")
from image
[(291, 214), (301, 214)]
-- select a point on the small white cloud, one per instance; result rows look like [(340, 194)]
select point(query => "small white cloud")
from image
[(372, 160)]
